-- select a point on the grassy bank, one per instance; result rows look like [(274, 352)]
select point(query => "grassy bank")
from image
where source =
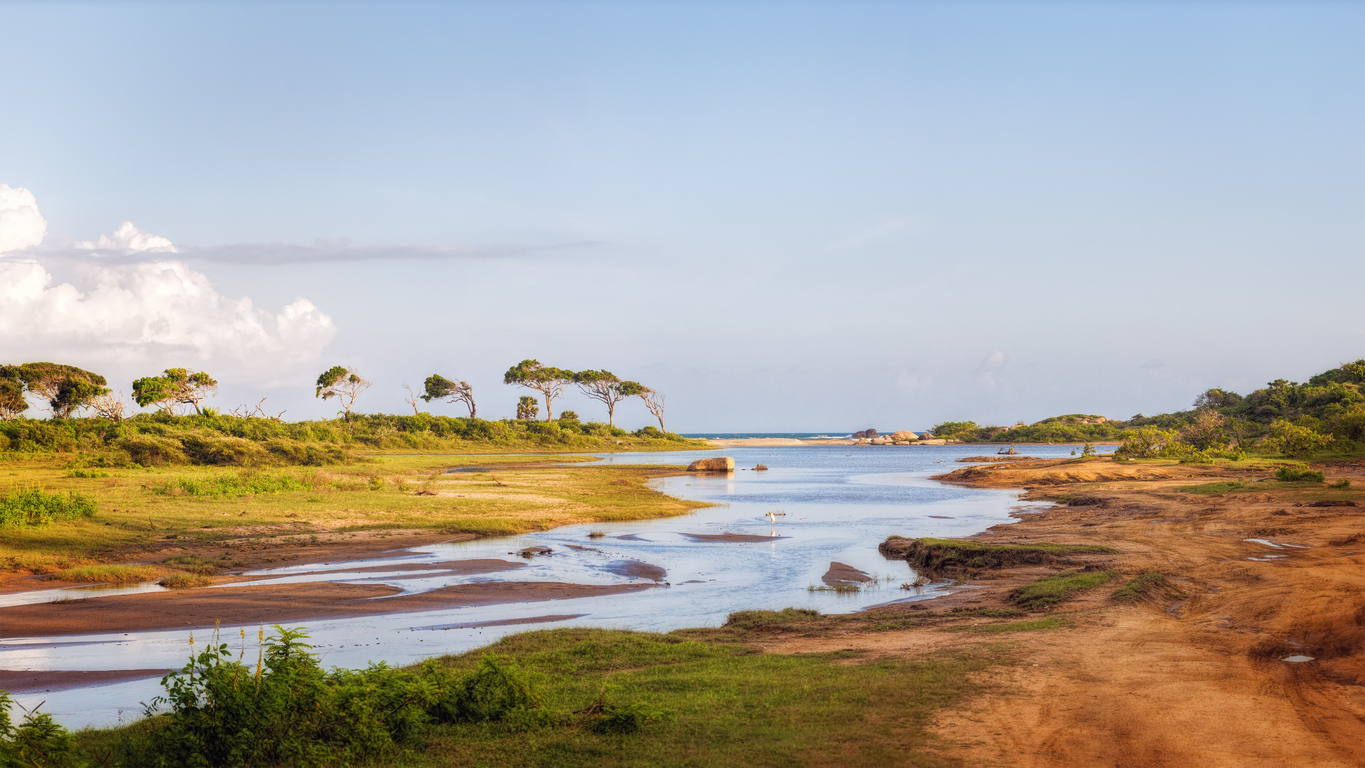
[(695, 698), (150, 514)]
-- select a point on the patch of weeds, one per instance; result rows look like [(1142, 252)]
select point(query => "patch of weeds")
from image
[(193, 564), (841, 589), (32, 506), (1150, 585), (109, 574), (596, 534), (1050, 622), (237, 484), (1000, 613), (1223, 486), (1342, 483), (87, 473), (758, 619), (185, 581), (1051, 590)]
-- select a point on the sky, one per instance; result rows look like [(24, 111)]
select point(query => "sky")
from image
[(786, 216)]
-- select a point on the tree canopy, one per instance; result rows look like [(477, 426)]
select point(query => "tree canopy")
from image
[(605, 387), (549, 382), (438, 387), (174, 387), (66, 388), (342, 383)]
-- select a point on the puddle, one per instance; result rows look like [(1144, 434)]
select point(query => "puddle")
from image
[(838, 507), (1297, 659)]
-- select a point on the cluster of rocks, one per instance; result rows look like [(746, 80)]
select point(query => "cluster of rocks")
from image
[(900, 437)]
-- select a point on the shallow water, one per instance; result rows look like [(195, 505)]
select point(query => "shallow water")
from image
[(839, 503)]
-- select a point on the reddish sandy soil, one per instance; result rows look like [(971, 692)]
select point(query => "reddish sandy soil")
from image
[(46, 682), (1191, 676)]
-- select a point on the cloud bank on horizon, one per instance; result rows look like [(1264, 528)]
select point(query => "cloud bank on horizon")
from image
[(135, 309)]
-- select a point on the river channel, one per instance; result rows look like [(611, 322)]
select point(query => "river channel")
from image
[(827, 504)]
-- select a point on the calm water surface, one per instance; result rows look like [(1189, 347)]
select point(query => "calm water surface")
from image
[(837, 503)]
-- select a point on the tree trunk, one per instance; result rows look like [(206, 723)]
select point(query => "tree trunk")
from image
[(611, 414), (549, 415)]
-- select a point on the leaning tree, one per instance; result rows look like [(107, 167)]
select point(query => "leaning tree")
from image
[(440, 388), (654, 401), (66, 388), (175, 387), (549, 382), (605, 387), (12, 402), (342, 383)]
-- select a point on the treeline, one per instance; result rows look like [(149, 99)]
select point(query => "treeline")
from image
[(64, 391), (1284, 417)]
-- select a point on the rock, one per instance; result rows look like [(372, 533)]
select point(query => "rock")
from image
[(839, 573), (926, 435), (866, 433), (902, 435), (719, 464), (881, 440)]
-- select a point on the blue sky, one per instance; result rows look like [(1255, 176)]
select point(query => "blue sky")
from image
[(786, 216)]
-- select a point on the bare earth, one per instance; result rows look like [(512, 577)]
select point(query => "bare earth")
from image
[(1184, 679)]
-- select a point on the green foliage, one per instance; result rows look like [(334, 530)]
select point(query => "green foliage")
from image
[(174, 387), (440, 388), (1051, 590), (36, 741), (1221, 486), (550, 382), (239, 484), (758, 619), (12, 402), (66, 388), (1293, 440), (341, 383), (649, 431), (32, 506), (1298, 474), (527, 408), (950, 429), (1144, 443)]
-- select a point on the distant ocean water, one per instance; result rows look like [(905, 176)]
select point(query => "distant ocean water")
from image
[(790, 435)]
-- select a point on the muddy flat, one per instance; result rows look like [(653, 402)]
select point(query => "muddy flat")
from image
[(636, 570), (269, 604), (32, 681), (839, 573)]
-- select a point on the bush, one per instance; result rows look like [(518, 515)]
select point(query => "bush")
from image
[(1298, 474), (652, 432), (37, 741), (153, 451), (36, 507), (1293, 440), (1144, 443)]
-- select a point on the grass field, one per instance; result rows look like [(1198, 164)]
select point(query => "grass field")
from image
[(143, 512)]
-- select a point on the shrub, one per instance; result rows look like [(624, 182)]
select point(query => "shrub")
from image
[(1298, 474), (1050, 590), (1293, 440), (152, 451), (651, 432), (1144, 443), (35, 507), (36, 741)]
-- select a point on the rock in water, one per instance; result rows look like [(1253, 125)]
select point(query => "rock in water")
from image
[(719, 464), (903, 435), (866, 433), (839, 573)]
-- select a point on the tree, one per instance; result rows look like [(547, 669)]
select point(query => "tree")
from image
[(527, 408), (411, 399), (549, 382), (109, 406), (174, 387), (342, 383), (605, 387), (1205, 430), (1218, 398), (440, 388), (1293, 440), (66, 388), (12, 402), (654, 401)]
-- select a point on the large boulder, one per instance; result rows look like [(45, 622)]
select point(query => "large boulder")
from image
[(902, 435), (866, 433), (718, 464)]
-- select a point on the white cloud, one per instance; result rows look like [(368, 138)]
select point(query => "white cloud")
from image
[(128, 239), (21, 226), (159, 312), (986, 372)]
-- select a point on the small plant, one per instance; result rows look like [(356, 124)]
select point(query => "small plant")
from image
[(596, 534), (87, 473), (32, 506), (1342, 483), (841, 589), (1051, 590), (185, 581), (35, 741)]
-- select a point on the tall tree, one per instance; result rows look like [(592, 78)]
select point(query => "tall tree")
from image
[(66, 388), (549, 382), (527, 408), (605, 387), (342, 383), (440, 388), (173, 388), (654, 401)]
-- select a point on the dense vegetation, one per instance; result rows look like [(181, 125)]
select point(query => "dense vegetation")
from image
[(1283, 418), (156, 439)]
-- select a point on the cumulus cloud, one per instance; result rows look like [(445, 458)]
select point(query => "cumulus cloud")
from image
[(21, 226), (986, 372), (128, 239), (156, 311)]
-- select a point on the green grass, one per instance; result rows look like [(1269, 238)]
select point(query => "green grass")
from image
[(186, 581), (1222, 486), (203, 511), (730, 706), (1051, 590), (109, 574), (1050, 622)]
